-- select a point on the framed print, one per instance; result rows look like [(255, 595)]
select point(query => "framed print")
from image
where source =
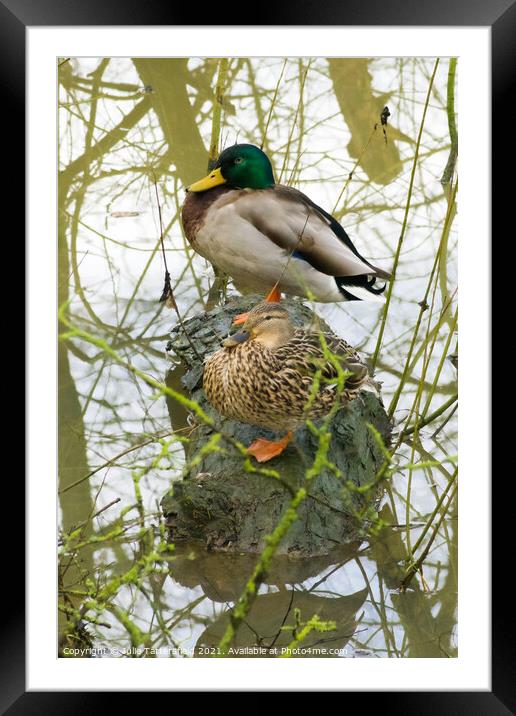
[(247, 250)]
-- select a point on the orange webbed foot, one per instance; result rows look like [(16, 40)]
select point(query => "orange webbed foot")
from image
[(240, 319), (275, 295), (264, 450)]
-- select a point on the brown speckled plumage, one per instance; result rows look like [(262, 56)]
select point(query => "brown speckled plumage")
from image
[(270, 385)]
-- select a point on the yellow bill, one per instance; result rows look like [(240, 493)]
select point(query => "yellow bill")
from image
[(214, 178)]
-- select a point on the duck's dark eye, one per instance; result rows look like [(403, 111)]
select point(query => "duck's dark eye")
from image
[(238, 160)]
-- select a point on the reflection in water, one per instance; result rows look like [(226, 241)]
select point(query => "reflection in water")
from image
[(361, 109), (264, 632), (125, 124)]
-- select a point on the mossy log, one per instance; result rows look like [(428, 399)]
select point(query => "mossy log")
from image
[(230, 509)]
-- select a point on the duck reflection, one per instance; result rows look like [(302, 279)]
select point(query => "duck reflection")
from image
[(269, 627)]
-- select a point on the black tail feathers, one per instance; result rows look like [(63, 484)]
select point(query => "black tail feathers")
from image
[(363, 281)]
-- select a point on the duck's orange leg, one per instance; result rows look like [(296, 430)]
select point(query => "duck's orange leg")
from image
[(264, 450), (240, 318), (274, 296)]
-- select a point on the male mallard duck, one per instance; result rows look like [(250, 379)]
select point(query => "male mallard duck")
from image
[(262, 233), (264, 375)]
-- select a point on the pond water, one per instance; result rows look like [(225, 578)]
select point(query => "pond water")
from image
[(132, 135)]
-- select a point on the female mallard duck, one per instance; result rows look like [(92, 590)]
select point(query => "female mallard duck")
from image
[(264, 375), (262, 233)]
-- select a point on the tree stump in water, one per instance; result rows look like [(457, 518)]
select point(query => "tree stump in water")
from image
[(229, 509)]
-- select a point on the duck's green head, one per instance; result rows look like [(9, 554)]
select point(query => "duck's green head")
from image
[(242, 166)]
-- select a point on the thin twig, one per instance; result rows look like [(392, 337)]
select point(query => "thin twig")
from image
[(167, 294), (452, 124), (432, 416)]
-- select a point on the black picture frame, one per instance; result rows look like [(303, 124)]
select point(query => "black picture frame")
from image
[(500, 15)]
